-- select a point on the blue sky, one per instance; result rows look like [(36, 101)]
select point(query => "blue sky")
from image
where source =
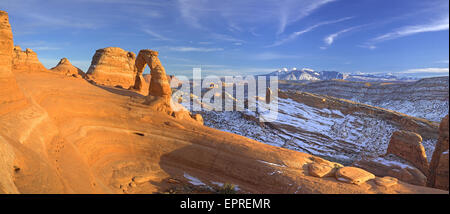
[(407, 37)]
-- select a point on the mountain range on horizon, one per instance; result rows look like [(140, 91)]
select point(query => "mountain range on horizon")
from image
[(307, 74)]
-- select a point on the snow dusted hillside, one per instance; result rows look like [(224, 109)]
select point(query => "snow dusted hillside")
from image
[(427, 98), (334, 133)]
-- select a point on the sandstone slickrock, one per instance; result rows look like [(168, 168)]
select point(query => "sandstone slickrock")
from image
[(439, 168), (353, 175), (408, 146), (26, 61), (65, 67), (113, 66)]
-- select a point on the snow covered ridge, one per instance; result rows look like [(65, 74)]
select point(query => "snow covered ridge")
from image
[(427, 98), (337, 130), (307, 74)]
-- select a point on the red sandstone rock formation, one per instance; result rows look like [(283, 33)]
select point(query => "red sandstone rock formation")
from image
[(10, 95), (113, 66), (405, 159), (439, 166), (159, 92), (26, 61), (159, 83), (408, 146), (66, 68)]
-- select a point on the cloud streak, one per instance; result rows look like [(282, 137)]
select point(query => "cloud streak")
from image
[(292, 11), (299, 33), (157, 35), (329, 40), (436, 25), (426, 70), (194, 49)]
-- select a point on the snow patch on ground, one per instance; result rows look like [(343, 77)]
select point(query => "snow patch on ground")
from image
[(193, 180)]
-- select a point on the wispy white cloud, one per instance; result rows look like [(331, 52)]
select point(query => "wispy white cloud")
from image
[(282, 12), (445, 61), (292, 11), (332, 37), (298, 33), (193, 49), (46, 20), (426, 70), (157, 35), (225, 37), (368, 46), (272, 56), (436, 25)]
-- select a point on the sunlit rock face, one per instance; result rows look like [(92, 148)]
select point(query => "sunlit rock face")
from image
[(66, 68), (26, 61), (10, 95), (159, 82), (113, 66), (439, 166)]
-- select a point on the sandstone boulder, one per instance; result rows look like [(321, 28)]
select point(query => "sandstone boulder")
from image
[(323, 168), (353, 175), (386, 181), (113, 66), (26, 60), (439, 168), (66, 68), (320, 170), (408, 146)]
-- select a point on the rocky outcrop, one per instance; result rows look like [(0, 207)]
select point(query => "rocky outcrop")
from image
[(439, 166), (405, 159), (26, 61), (393, 166), (339, 130), (408, 146), (66, 68), (113, 66)]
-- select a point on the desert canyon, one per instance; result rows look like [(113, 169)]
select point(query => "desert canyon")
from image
[(115, 129)]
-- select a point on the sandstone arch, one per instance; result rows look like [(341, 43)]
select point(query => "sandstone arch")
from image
[(159, 83)]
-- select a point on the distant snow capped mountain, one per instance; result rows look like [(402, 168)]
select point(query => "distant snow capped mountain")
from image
[(377, 78), (307, 74)]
